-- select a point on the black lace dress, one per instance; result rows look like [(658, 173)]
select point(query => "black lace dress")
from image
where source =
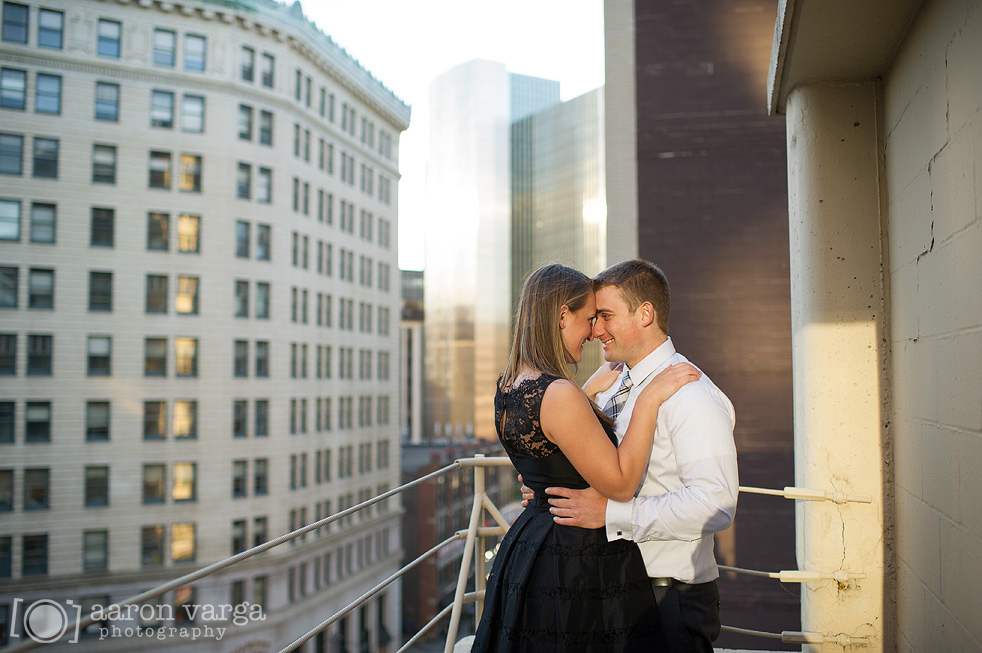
[(559, 588)]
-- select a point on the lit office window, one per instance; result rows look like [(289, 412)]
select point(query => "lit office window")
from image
[(189, 233), (184, 482), (182, 543), (186, 352), (190, 173), (187, 295), (185, 419)]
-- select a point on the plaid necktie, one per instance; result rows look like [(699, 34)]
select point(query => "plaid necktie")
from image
[(616, 403)]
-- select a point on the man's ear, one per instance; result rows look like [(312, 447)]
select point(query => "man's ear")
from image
[(648, 314)]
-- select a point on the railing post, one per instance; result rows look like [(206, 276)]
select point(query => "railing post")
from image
[(480, 578), (477, 510)]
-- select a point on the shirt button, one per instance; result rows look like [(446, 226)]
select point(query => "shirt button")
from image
[(620, 532)]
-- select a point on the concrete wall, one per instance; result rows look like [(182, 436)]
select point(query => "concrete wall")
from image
[(933, 160)]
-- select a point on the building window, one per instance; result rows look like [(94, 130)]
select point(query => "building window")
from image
[(264, 185), (103, 164), (95, 551), (154, 483), (156, 293), (194, 52), (238, 536), (37, 421), (15, 22), (101, 291), (245, 122), (34, 559), (110, 35), (247, 64), (262, 359), (100, 355), (11, 154), (240, 366), (260, 470), (162, 109), (190, 173), (182, 543), (10, 222), (240, 417), (51, 25), (185, 419), (36, 489), (240, 478), (242, 237), (97, 421), (261, 427), (186, 356), (158, 231), (262, 300), (102, 231), (154, 420), (48, 94), (106, 101), (46, 158), (155, 354), (96, 486), (265, 127), (13, 88), (264, 242), (152, 546), (241, 298), (269, 65), (8, 364), (8, 287), (188, 233), (43, 222), (185, 486), (187, 295), (193, 113), (41, 288), (6, 505), (164, 48), (243, 181), (39, 355)]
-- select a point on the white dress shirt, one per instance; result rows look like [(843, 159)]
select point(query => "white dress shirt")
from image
[(689, 491)]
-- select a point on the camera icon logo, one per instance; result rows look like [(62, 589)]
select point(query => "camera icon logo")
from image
[(46, 621)]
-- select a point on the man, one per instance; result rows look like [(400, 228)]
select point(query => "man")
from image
[(689, 491)]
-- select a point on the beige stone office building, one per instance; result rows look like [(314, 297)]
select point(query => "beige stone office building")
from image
[(199, 319)]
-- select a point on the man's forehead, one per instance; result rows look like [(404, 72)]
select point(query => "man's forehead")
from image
[(610, 298)]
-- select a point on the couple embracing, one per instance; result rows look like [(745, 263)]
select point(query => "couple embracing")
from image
[(614, 551)]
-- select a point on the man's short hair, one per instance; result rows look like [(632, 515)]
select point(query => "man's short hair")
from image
[(639, 281)]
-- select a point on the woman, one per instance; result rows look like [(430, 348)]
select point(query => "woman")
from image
[(563, 588)]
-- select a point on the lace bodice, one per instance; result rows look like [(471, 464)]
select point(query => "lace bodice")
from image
[(516, 417)]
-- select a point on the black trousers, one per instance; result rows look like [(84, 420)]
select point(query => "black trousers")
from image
[(689, 615)]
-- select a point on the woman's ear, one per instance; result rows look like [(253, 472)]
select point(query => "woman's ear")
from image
[(562, 316)]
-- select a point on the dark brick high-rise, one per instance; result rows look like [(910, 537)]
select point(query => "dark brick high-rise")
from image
[(712, 213)]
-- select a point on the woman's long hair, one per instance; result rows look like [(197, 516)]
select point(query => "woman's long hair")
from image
[(538, 341)]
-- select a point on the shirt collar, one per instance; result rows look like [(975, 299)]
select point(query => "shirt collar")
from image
[(653, 362)]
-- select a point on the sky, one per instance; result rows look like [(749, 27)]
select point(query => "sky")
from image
[(406, 45)]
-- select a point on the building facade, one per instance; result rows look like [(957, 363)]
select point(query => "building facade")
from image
[(468, 240), (198, 316)]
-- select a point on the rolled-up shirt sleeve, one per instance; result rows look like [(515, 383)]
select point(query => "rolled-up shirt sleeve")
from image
[(696, 494)]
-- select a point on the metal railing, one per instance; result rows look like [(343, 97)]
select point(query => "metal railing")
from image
[(475, 537)]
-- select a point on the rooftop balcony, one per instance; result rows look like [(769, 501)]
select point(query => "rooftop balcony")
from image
[(486, 524)]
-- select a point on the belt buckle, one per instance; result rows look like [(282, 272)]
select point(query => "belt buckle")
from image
[(662, 582)]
